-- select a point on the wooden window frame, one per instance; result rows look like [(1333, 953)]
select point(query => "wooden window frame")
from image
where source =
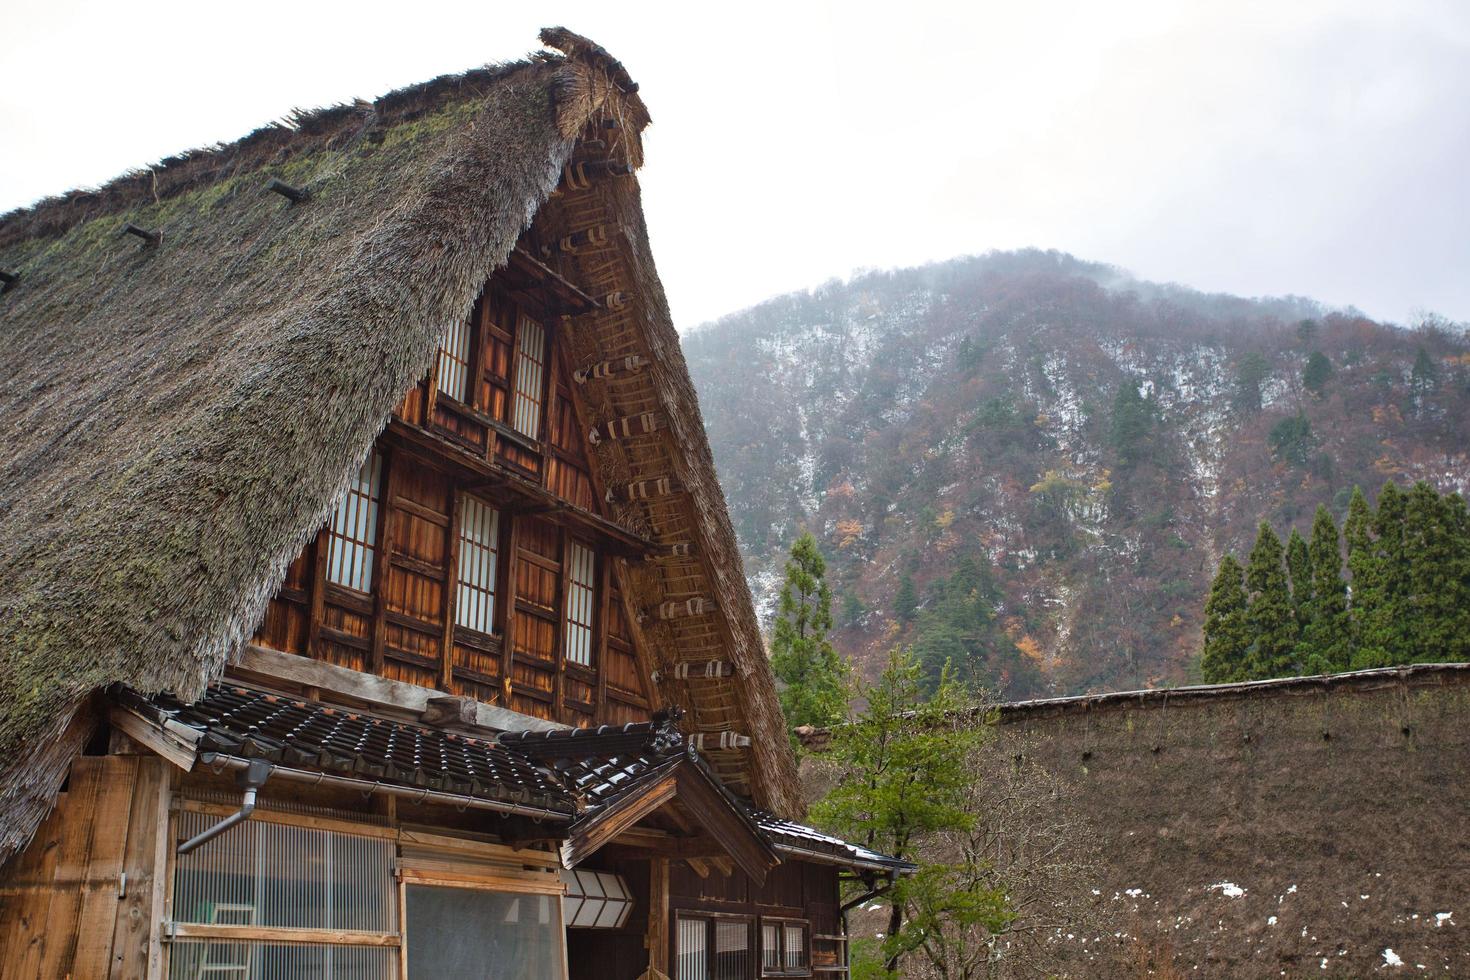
[(547, 346), (752, 931), (567, 622), (437, 860), (372, 545), (782, 922), (470, 376), (496, 565)]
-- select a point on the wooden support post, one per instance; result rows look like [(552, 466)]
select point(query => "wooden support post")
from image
[(508, 610), (604, 604), (558, 633), (657, 936), (388, 543), (318, 593), (451, 587), (137, 950)]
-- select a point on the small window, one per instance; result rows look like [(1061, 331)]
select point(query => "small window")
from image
[(454, 362), (479, 553), (713, 947), (784, 948), (581, 593), (530, 369), (353, 533)]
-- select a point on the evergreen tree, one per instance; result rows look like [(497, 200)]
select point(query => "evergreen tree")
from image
[(906, 601), (1132, 421), (1299, 570), (1437, 627), (1325, 642), (1271, 617), (1227, 632), (1249, 373), (1424, 375), (1384, 637), (901, 774), (1367, 592), (1317, 373), (813, 676)]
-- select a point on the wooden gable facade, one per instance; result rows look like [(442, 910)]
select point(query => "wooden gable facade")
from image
[(473, 552)]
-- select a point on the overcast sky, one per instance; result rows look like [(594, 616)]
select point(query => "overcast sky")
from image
[(1292, 146)]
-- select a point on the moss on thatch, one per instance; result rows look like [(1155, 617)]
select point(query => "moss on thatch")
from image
[(181, 417)]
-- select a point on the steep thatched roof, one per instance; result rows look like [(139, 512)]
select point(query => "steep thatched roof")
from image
[(180, 417)]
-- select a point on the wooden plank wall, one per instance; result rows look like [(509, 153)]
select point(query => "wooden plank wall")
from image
[(86, 897), (404, 630)]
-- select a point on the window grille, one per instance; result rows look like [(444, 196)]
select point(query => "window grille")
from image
[(581, 592), (784, 948), (714, 947), (454, 362), (530, 368), (353, 534), (479, 553)]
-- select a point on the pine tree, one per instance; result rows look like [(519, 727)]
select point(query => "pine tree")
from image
[(1384, 638), (901, 774), (813, 677), (906, 601), (1227, 632), (1299, 570), (1325, 642), (1133, 418), (1317, 373), (1367, 594), (1271, 617), (1437, 627)]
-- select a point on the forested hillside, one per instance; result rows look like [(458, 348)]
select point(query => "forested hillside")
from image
[(1031, 465)]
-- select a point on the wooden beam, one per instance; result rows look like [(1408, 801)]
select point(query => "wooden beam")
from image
[(494, 475), (374, 690), (714, 811), (617, 817), (178, 743), (270, 934)]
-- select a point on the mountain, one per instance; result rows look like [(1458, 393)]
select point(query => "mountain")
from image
[(1032, 464)]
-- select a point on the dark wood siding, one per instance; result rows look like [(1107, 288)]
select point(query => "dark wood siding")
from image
[(404, 628)]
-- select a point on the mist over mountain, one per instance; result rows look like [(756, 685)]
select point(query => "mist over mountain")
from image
[(1031, 464)]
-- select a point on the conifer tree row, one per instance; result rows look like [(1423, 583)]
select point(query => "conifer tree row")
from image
[(1405, 599)]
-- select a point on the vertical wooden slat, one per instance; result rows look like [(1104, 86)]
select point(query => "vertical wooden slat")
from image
[(318, 594), (451, 589), (388, 543), (136, 952), (507, 600), (559, 635), (109, 827), (600, 629)]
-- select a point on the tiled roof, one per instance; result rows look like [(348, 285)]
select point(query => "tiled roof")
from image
[(252, 724), (790, 834), (603, 764), (575, 771)]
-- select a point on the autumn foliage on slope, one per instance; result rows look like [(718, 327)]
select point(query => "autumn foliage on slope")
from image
[(1038, 462)]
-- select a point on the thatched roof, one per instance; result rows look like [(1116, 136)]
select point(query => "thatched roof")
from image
[(181, 417)]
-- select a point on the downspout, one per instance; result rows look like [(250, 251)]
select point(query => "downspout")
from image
[(251, 779), (874, 891)]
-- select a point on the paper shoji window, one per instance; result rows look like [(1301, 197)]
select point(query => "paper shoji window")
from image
[(479, 553), (530, 371), (353, 535), (454, 362), (577, 636)]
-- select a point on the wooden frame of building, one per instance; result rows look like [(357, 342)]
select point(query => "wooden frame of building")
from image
[(361, 526)]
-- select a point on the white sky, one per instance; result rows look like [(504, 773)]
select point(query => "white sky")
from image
[(1291, 146)]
